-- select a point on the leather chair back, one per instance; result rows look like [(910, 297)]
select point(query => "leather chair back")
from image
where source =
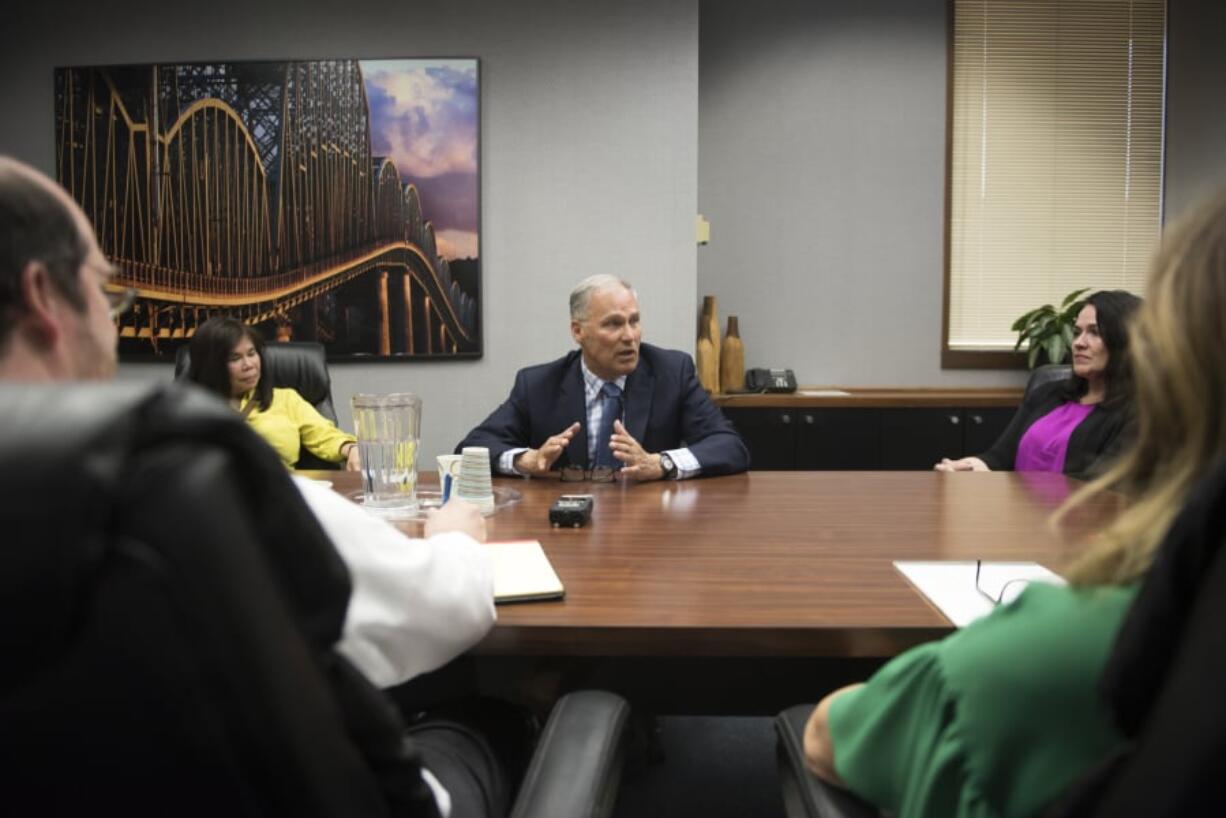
[(1045, 374), (299, 365), (1164, 679), (170, 607)]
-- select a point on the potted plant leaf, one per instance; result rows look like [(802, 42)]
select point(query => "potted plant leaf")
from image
[(1049, 329)]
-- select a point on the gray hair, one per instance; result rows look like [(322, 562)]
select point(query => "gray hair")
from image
[(583, 292)]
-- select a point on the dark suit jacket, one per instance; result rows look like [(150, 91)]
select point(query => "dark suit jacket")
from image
[(665, 408)]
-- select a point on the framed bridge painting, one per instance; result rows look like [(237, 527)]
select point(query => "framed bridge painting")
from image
[(332, 200)]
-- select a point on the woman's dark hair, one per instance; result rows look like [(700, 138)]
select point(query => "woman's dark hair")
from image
[(211, 348), (1113, 310)]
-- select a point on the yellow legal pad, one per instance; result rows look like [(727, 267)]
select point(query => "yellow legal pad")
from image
[(522, 572)]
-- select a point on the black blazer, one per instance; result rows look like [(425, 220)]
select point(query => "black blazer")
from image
[(666, 408), (1094, 442)]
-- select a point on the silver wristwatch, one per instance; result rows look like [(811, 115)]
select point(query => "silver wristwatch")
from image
[(669, 467)]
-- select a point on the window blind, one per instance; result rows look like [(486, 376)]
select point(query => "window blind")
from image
[(1055, 156)]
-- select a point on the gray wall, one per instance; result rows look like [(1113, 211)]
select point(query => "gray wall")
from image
[(822, 170), (589, 148), (818, 158), (1195, 109), (821, 167)]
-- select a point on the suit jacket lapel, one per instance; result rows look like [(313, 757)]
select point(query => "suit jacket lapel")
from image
[(640, 387), (573, 406)]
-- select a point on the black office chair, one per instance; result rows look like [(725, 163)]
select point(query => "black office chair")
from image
[(1165, 678), (804, 794), (1163, 683), (170, 608), (298, 365)]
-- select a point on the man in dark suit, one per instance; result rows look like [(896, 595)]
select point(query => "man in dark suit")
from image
[(615, 402)]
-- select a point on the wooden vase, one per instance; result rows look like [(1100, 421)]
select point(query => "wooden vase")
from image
[(732, 359), (706, 361), (708, 326)]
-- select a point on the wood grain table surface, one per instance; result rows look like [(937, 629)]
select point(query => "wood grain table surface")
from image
[(770, 564)]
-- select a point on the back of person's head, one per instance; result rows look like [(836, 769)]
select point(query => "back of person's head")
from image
[(211, 347), (35, 226), (1114, 310), (1178, 356)]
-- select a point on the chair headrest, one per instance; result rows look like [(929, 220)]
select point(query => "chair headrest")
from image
[(74, 435), (1047, 373)]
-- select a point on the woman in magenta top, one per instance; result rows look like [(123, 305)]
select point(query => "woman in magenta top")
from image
[(1073, 426)]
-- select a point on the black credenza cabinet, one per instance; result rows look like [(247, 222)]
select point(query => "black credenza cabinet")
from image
[(865, 438)]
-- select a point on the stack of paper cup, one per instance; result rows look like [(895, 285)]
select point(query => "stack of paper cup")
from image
[(474, 484)]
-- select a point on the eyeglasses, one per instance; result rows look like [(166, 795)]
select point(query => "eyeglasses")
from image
[(1018, 584), (596, 474), (120, 301)]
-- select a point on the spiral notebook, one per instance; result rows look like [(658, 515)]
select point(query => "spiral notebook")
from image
[(522, 572)]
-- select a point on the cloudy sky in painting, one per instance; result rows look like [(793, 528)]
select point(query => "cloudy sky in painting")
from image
[(423, 114)]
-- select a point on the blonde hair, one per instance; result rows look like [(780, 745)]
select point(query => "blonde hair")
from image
[(1178, 350)]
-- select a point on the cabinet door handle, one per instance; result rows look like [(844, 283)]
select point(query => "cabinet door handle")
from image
[(809, 419), (977, 420), (955, 420), (786, 418)]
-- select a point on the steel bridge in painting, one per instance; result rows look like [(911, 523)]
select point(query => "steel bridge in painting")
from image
[(250, 189)]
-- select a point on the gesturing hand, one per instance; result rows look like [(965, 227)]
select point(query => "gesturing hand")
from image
[(639, 464), (537, 462)]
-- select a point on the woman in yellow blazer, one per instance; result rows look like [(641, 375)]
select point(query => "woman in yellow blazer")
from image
[(226, 359)]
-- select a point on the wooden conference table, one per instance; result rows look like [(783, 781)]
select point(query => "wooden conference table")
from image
[(764, 564)]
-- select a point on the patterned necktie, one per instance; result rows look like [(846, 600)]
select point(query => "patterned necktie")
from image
[(610, 410)]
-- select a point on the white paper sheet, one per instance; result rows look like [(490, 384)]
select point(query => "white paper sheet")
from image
[(950, 585)]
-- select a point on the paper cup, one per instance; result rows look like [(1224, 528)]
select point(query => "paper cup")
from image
[(474, 484), (448, 473)]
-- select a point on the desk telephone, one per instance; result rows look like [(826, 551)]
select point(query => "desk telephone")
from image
[(770, 380)]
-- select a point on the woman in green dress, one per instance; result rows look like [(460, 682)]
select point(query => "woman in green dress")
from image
[(999, 718)]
